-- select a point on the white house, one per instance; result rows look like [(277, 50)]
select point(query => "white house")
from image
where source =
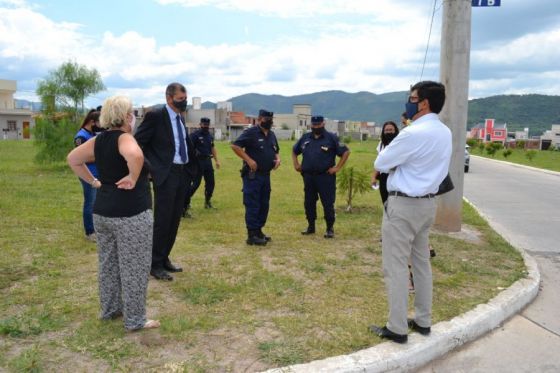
[(14, 123)]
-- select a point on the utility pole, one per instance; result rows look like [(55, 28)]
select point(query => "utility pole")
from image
[(454, 74)]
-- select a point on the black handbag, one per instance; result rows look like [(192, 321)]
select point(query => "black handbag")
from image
[(446, 185)]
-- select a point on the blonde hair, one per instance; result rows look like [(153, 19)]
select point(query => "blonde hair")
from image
[(114, 111)]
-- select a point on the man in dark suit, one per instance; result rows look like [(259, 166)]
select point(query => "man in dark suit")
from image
[(167, 147)]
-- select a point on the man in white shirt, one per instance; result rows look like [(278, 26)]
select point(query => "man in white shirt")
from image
[(417, 161)]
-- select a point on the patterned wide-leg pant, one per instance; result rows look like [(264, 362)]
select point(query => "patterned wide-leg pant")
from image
[(124, 247)]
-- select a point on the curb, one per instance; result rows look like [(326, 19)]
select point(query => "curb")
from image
[(445, 335), (556, 173)]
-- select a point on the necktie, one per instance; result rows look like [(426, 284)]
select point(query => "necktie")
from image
[(182, 147)]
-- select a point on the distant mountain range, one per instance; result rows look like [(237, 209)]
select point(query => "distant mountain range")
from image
[(537, 112)]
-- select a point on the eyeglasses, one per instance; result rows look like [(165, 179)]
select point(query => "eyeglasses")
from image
[(414, 99)]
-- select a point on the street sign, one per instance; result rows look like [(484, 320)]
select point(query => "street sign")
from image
[(485, 2)]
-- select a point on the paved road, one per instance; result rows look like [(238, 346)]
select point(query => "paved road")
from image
[(524, 207)]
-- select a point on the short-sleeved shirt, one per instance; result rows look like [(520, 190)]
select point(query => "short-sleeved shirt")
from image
[(203, 143), (260, 147), (319, 153)]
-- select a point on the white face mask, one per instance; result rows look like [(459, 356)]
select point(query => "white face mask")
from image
[(132, 123)]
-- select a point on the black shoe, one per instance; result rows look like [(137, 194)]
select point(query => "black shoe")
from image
[(329, 233), (262, 235), (383, 332), (169, 267), (254, 240), (187, 213), (208, 205), (417, 328), (432, 253), (161, 274), (310, 230)]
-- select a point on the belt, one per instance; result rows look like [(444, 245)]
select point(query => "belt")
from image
[(179, 166), (401, 194), (314, 173)]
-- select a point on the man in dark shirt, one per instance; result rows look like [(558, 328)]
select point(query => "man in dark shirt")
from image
[(319, 149), (203, 143), (259, 149)]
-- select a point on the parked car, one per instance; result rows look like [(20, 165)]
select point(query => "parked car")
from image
[(467, 158)]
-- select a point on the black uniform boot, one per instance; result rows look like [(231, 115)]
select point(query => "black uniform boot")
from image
[(310, 229), (262, 235), (254, 239), (208, 204), (329, 233)]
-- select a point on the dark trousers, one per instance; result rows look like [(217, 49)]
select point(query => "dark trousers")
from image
[(319, 186), (256, 198), (383, 187), (205, 170), (168, 208)]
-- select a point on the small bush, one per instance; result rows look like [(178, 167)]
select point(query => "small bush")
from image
[(347, 139), (472, 143), (490, 150), (506, 153), (530, 154), (481, 147), (520, 144)]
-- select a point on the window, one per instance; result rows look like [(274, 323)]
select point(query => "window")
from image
[(12, 125), (498, 133)]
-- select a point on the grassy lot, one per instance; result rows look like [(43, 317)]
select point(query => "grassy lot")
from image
[(547, 159), (236, 307)]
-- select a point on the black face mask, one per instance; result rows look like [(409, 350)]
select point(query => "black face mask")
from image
[(266, 124), (205, 129), (386, 138), (318, 131), (180, 105)]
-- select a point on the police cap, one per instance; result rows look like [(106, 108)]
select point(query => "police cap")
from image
[(317, 119), (205, 121), (265, 113)]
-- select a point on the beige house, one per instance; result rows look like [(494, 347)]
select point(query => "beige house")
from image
[(14, 123), (552, 137), (298, 119)]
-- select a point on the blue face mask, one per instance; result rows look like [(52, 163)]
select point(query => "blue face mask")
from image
[(411, 109)]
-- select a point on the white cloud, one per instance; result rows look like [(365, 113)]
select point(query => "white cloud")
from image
[(377, 56), (387, 10)]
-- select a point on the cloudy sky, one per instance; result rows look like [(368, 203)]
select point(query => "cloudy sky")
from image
[(224, 48)]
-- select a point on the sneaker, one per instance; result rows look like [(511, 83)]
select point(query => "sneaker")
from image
[(91, 237)]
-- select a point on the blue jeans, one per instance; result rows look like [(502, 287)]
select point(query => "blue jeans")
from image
[(89, 199)]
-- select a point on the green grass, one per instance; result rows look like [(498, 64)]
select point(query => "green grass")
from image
[(236, 307), (546, 159)]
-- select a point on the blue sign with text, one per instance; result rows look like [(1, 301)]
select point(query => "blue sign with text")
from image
[(485, 2)]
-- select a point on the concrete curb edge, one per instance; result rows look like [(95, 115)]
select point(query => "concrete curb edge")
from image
[(445, 335)]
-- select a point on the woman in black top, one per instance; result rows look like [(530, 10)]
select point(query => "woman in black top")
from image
[(122, 214), (388, 132)]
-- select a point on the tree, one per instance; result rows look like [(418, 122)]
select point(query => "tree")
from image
[(352, 181), (68, 86)]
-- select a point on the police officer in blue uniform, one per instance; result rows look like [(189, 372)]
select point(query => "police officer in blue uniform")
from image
[(203, 143), (319, 149), (259, 149)]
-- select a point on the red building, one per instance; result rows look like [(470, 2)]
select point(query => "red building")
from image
[(489, 131)]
